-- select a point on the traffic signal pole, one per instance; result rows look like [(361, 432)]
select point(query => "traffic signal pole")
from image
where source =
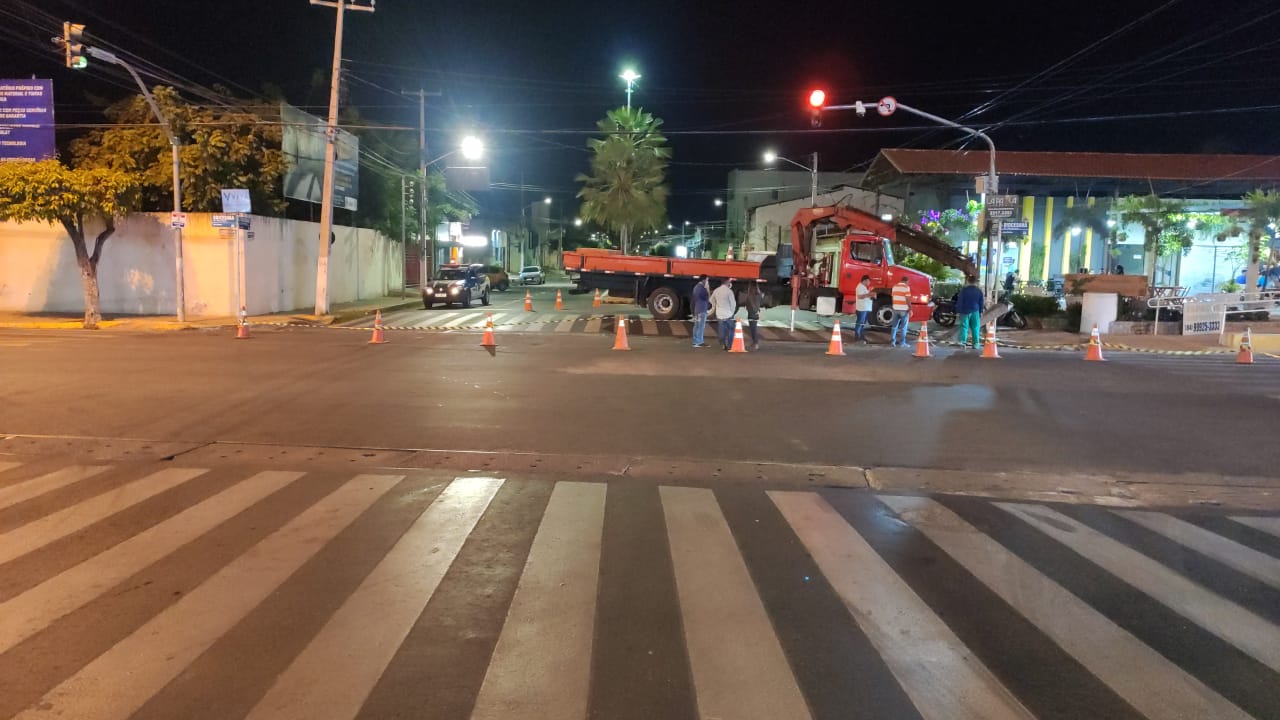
[(886, 106)]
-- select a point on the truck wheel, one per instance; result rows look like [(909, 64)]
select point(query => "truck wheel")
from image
[(664, 304), (882, 312)]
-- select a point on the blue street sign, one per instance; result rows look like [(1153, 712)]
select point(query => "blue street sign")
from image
[(1015, 227), (224, 221), (26, 120)]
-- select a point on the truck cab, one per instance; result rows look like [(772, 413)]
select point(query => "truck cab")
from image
[(868, 254)]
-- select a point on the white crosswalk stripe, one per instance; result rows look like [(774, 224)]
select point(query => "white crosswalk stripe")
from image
[(740, 629), (37, 486), (942, 679), (1214, 613)]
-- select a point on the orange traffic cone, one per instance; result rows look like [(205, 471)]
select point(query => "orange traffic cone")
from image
[(1245, 356), (596, 303), (837, 340), (242, 332), (487, 340), (559, 301), (922, 342), (1094, 352), (989, 349), (739, 342), (528, 301), (620, 336), (377, 338)]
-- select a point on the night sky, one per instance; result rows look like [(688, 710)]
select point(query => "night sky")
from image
[(517, 71)]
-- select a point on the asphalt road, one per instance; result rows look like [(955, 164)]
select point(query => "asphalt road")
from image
[(302, 550), (571, 394)]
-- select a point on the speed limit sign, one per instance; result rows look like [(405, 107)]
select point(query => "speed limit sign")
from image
[(886, 106)]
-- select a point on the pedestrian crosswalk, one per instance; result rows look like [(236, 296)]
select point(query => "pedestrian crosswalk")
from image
[(638, 324), (1209, 372), (140, 591)]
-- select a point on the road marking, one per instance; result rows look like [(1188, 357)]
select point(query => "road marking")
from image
[(1270, 525), (1257, 565), (541, 666), (937, 672), (1212, 612), (739, 669), (1160, 691), (648, 327), (6, 465), (395, 593), (681, 329), (122, 679), (593, 325), (24, 615), (69, 521), (465, 318), (27, 489), (565, 325)]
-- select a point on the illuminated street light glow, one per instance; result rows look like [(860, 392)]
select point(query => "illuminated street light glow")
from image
[(887, 217), (817, 98), (577, 222), (769, 157), (1076, 230), (718, 202), (472, 148), (546, 200)]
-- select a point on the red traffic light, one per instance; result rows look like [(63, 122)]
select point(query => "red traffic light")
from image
[(818, 98)]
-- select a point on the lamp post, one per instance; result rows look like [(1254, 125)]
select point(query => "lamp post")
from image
[(770, 157), (472, 148), (630, 76), (180, 284)]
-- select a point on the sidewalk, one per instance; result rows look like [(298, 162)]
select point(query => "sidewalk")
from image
[(339, 313)]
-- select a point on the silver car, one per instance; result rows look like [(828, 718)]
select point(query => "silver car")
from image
[(532, 275)]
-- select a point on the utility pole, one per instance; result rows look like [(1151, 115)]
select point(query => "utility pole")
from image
[(331, 137), (424, 232), (180, 284)]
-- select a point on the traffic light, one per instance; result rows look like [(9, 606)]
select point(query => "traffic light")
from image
[(73, 45), (817, 99)]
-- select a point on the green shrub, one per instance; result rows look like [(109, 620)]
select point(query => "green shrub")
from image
[(1074, 311), (1036, 305)]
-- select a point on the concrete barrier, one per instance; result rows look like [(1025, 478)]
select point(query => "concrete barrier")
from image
[(1262, 342)]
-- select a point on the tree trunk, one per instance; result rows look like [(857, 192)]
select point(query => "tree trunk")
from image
[(89, 281), (624, 237), (1251, 272)]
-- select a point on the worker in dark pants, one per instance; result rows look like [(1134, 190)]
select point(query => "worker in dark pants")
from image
[(724, 306), (752, 303)]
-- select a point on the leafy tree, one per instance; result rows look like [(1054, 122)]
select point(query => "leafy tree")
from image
[(1264, 214), (219, 148), (48, 191), (626, 188), (944, 223), (1163, 223)]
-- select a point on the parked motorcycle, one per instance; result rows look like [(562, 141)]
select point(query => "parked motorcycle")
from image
[(944, 311), (1011, 318)]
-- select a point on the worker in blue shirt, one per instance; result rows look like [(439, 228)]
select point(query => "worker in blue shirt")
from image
[(969, 306)]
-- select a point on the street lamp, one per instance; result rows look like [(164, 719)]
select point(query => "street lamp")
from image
[(630, 76), (718, 202), (770, 157), (471, 147)]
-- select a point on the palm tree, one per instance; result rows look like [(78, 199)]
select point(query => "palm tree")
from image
[(1084, 217), (626, 188), (1163, 232)]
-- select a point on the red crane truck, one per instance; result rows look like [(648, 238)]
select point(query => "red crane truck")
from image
[(831, 249)]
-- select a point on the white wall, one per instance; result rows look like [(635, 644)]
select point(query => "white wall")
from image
[(38, 272)]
